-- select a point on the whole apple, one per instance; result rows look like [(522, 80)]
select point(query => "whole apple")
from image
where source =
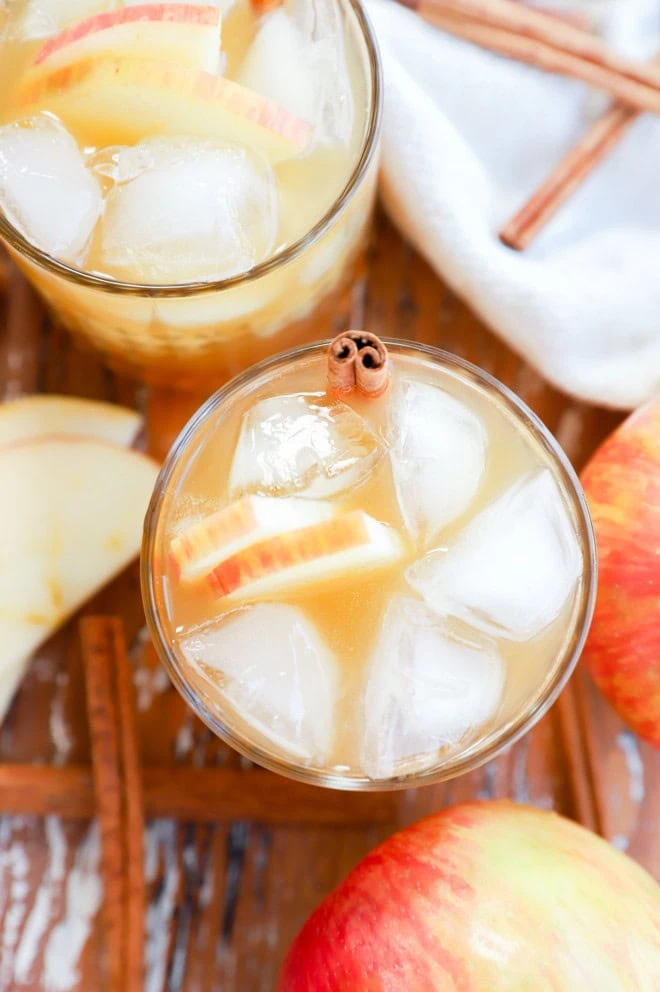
[(485, 897), (622, 483)]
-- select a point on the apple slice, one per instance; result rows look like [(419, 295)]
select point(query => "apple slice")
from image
[(123, 100), (341, 547), (176, 32), (37, 416), (250, 520), (72, 511)]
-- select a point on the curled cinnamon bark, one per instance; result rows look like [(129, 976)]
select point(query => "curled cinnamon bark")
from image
[(357, 360), (341, 364)]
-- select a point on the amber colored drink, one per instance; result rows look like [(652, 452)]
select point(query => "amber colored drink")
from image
[(188, 184), (368, 592)]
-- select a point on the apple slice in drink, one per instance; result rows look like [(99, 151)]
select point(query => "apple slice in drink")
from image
[(202, 547), (340, 547), (176, 32), (72, 509), (38, 416), (124, 100)]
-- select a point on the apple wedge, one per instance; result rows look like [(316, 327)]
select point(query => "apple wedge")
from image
[(38, 416), (202, 547), (72, 511), (176, 32), (337, 548), (124, 100)]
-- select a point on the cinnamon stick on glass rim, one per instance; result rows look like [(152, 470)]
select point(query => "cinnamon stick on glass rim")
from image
[(539, 39), (358, 361)]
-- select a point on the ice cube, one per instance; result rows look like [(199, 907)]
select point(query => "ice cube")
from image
[(426, 690), (184, 210), (302, 444), (513, 568), (298, 59), (45, 188), (276, 66), (438, 452), (322, 26), (278, 674), (44, 18)]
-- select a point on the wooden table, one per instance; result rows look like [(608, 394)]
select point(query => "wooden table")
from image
[(227, 896)]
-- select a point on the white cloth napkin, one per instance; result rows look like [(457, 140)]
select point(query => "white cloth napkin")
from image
[(468, 136)]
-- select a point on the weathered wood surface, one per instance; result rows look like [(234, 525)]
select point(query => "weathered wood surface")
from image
[(227, 897)]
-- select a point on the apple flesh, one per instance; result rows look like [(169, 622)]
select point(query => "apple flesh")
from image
[(72, 509), (176, 32), (485, 897), (124, 100), (247, 521), (38, 416), (622, 483), (337, 548)]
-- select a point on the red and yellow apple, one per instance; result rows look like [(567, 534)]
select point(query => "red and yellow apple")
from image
[(172, 31), (108, 98), (485, 897), (622, 483)]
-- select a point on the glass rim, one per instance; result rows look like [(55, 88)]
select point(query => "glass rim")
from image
[(475, 755), (18, 242)]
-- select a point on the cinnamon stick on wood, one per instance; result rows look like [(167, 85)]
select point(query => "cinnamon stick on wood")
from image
[(358, 360), (535, 37), (582, 777), (118, 791), (198, 795)]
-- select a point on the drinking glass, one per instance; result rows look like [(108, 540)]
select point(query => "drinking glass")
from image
[(203, 453), (195, 336)]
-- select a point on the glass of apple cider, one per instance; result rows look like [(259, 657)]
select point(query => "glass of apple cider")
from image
[(368, 590), (188, 185)]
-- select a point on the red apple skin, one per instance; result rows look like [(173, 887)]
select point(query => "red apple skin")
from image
[(622, 483), (175, 13), (485, 897)]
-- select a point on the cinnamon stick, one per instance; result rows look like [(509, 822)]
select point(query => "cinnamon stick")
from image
[(358, 360), (341, 364), (603, 135), (575, 17), (198, 795), (535, 37), (118, 791), (581, 775)]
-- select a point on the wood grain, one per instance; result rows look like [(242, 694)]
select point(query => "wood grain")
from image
[(227, 895)]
